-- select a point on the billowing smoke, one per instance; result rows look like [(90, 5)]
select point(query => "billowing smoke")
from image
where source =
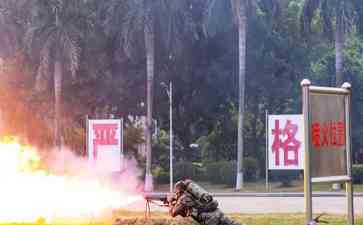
[(59, 185), (66, 163)]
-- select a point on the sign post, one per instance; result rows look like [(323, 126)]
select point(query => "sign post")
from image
[(327, 136), (267, 159)]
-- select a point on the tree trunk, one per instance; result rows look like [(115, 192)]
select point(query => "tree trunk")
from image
[(58, 73), (339, 45), (149, 46), (242, 29)]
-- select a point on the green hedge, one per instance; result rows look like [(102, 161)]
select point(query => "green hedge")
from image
[(224, 172), (181, 170), (227, 172), (286, 177), (212, 173), (250, 166), (357, 172)]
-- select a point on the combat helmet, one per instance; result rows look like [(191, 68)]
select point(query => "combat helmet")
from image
[(180, 186)]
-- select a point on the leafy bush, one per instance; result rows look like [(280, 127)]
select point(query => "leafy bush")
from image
[(250, 166), (185, 170), (181, 170), (224, 172), (161, 175), (285, 176), (212, 172), (227, 172), (357, 173)]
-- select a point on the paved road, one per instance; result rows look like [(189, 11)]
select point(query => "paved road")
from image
[(260, 203)]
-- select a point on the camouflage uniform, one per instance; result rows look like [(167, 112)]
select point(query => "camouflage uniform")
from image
[(186, 205)]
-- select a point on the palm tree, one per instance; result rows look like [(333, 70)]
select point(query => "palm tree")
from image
[(240, 12), (124, 19), (54, 34), (340, 11), (149, 36), (241, 9)]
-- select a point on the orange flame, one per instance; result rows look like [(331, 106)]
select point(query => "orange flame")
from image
[(27, 192)]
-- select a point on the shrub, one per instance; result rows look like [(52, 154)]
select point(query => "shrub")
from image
[(227, 172), (184, 170), (285, 176), (357, 173), (224, 172), (250, 166), (163, 177), (213, 172)]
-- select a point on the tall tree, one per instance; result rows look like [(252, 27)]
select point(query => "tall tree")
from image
[(241, 9), (127, 20), (240, 12), (340, 11), (54, 34), (150, 62), (124, 21)]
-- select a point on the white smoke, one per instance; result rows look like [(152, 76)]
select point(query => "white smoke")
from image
[(66, 163)]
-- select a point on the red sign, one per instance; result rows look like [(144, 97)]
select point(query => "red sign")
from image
[(328, 134), (290, 144), (104, 142), (105, 134), (285, 142)]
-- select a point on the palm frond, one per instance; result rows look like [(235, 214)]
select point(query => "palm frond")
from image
[(44, 65), (327, 19), (310, 6), (207, 15), (72, 51)]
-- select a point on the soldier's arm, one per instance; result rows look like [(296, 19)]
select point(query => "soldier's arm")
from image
[(177, 209), (181, 206)]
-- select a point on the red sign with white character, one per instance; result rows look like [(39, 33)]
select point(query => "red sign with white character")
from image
[(104, 144), (285, 138)]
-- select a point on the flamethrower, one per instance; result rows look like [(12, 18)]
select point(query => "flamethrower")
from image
[(159, 199)]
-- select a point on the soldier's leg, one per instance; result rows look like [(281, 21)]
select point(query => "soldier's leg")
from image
[(227, 221)]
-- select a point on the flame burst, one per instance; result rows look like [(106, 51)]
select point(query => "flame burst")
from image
[(28, 193)]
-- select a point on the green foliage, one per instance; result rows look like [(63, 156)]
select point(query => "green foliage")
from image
[(224, 172), (186, 170), (161, 175), (213, 172), (286, 177), (357, 173), (250, 168), (228, 172)]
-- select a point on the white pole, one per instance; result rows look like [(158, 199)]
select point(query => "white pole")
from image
[(122, 144), (171, 134), (87, 130), (266, 125)]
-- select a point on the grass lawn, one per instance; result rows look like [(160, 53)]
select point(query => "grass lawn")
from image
[(297, 186), (136, 218)]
